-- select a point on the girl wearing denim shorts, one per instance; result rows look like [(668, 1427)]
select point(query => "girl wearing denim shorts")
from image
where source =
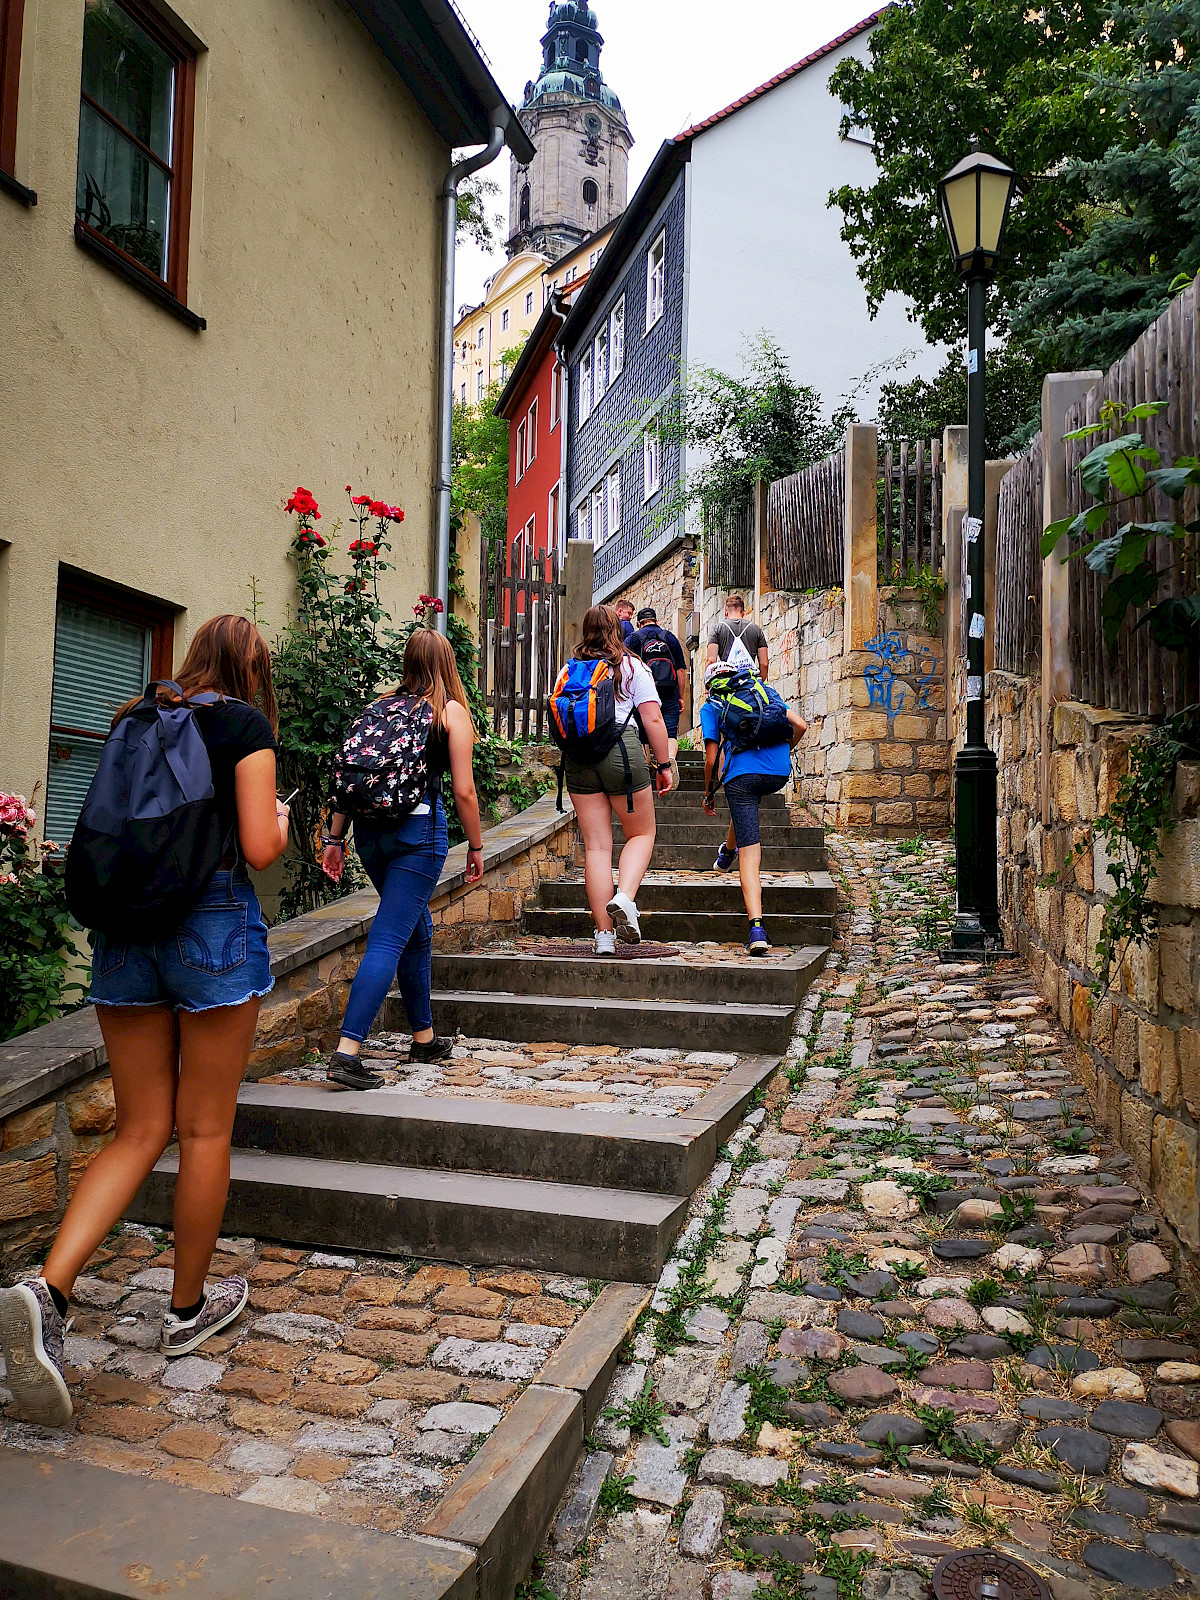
[(178, 1019)]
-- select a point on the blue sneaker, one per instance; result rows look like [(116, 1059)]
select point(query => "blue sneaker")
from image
[(758, 944), (726, 859)]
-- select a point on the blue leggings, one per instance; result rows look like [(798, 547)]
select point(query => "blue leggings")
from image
[(404, 864)]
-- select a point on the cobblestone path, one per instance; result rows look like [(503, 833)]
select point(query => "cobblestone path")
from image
[(352, 1389), (920, 1306)]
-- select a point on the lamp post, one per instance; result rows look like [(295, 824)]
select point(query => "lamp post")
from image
[(975, 197)]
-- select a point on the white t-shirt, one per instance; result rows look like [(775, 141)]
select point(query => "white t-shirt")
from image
[(636, 687)]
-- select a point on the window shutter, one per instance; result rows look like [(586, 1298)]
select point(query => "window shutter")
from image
[(99, 663)]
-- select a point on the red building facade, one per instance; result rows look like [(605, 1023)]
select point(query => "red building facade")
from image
[(531, 404)]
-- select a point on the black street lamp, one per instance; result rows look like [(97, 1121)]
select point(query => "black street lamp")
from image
[(975, 198)]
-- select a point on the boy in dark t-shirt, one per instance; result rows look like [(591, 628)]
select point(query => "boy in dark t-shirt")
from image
[(738, 640)]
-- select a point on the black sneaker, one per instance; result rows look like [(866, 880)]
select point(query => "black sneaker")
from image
[(350, 1073), (435, 1049)]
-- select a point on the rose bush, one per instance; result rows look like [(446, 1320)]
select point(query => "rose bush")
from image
[(36, 951)]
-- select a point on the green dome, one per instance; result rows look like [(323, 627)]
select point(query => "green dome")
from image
[(571, 48)]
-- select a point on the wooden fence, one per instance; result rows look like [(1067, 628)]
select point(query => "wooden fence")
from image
[(520, 644), (910, 509), (729, 547), (806, 516), (1018, 599), (1164, 364)]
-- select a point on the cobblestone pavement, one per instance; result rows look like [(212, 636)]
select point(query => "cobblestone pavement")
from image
[(350, 1388), (921, 1305)]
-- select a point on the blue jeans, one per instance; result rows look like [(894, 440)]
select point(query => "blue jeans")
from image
[(404, 864), (216, 957)]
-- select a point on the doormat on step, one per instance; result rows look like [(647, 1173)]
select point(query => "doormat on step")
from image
[(578, 948)]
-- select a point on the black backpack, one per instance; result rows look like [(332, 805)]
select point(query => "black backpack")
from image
[(655, 651), (382, 771), (148, 839)]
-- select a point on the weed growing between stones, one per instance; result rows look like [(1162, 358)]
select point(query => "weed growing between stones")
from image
[(937, 1503), (643, 1414), (923, 1186), (977, 1515), (615, 1496), (1016, 1210), (846, 1568), (768, 1402)]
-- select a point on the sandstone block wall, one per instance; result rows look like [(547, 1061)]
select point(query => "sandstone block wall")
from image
[(1138, 1042)]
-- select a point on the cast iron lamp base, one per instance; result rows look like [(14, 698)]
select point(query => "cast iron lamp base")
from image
[(977, 935)]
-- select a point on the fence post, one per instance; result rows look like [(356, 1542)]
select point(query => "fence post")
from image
[(578, 576), (1060, 391), (954, 473), (762, 579), (861, 552), (467, 543)]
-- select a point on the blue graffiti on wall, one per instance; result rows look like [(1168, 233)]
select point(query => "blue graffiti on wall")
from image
[(881, 678)]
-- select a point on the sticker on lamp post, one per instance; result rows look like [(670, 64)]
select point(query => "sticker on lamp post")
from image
[(977, 625), (974, 688), (972, 528)]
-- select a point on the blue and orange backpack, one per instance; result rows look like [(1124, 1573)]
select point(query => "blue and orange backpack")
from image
[(583, 719)]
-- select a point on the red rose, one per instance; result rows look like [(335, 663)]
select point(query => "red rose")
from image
[(378, 508), (348, 490), (361, 500)]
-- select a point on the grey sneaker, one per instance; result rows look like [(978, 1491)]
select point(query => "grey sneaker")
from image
[(222, 1303), (31, 1336)]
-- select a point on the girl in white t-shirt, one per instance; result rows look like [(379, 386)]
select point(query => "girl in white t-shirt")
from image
[(599, 792)]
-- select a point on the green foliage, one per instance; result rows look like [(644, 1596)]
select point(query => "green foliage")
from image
[(907, 1271), (938, 75), (930, 585), (36, 951), (912, 847), (330, 661), (846, 1568), (615, 1496), (474, 221), (1137, 231), (838, 1265), (642, 1414), (922, 407), (923, 1186), (479, 467), (893, 1452), (767, 1399), (937, 1503), (763, 424), (984, 1292), (1016, 1209), (939, 1423)]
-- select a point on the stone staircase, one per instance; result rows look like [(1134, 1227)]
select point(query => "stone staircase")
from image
[(577, 1191)]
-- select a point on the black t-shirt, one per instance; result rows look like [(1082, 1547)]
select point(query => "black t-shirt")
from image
[(231, 730)]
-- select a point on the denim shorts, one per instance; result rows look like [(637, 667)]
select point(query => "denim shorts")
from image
[(742, 795), (216, 957), (670, 711)]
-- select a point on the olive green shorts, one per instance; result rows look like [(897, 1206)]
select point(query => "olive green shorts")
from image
[(608, 777)]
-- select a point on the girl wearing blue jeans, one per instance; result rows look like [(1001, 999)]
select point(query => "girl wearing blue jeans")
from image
[(404, 861)]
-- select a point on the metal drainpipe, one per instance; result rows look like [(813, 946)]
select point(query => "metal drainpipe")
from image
[(461, 170)]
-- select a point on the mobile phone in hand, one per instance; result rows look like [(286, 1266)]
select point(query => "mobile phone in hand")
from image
[(291, 796)]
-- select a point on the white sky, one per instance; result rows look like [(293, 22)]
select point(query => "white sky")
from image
[(671, 62)]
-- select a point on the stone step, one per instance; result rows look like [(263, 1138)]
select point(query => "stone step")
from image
[(813, 892), (749, 982), (547, 1144), (468, 1217), (704, 830), (726, 927), (70, 1531), (575, 1020), (700, 857), (688, 802)]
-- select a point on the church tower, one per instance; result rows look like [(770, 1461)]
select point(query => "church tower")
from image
[(578, 181)]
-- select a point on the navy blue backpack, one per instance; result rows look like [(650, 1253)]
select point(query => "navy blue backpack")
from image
[(148, 839)]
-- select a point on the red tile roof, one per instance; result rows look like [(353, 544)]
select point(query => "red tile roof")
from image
[(788, 72)]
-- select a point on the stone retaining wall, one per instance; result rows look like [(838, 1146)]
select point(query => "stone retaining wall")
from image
[(56, 1097), (1138, 1044)]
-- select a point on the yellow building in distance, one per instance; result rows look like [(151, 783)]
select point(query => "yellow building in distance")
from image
[(512, 304)]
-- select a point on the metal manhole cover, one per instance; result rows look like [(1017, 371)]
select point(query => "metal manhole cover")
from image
[(986, 1575)]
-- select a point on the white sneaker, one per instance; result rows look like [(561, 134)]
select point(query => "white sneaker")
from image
[(606, 942), (625, 918)]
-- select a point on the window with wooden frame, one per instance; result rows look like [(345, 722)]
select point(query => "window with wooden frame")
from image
[(12, 18), (107, 646), (656, 280), (136, 119), (552, 538)]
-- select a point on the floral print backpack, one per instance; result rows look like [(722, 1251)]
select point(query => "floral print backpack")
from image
[(381, 772)]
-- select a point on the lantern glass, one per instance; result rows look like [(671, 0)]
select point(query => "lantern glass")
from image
[(975, 197)]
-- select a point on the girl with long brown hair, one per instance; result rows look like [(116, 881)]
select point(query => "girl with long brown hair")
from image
[(178, 1019), (598, 793), (404, 863)]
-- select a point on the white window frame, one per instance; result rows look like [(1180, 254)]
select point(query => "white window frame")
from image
[(555, 394), (600, 365), (529, 303), (583, 526), (529, 534), (598, 514), (651, 461), (585, 386), (504, 321), (479, 337), (616, 341), (463, 395), (552, 504), (531, 436), (656, 281), (613, 486), (520, 451), (479, 387)]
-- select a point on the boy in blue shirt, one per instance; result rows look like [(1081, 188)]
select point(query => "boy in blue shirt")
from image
[(748, 775)]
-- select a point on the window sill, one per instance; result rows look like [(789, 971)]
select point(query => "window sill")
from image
[(150, 287), (13, 186)]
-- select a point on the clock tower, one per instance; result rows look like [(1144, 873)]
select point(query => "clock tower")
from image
[(578, 181)]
